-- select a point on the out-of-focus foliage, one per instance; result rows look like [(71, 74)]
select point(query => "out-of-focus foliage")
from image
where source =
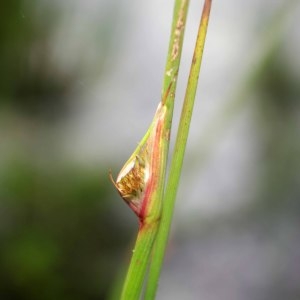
[(30, 81), (58, 236), (278, 111), (58, 231)]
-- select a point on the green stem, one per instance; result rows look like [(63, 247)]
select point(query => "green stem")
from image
[(177, 160), (149, 225), (135, 275), (175, 50)]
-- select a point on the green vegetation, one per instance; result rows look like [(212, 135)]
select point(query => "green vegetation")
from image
[(141, 180)]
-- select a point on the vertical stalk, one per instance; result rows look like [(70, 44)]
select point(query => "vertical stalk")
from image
[(152, 152), (177, 159), (136, 272)]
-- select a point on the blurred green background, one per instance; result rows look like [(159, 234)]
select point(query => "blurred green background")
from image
[(77, 90), (60, 236)]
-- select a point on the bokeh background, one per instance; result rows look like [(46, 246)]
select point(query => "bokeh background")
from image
[(79, 83)]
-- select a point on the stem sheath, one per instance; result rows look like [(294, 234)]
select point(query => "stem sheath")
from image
[(177, 159)]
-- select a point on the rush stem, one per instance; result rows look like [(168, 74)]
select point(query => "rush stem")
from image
[(149, 226), (177, 159)]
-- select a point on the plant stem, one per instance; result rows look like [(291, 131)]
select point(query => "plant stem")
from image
[(175, 49), (160, 128), (177, 159), (139, 261)]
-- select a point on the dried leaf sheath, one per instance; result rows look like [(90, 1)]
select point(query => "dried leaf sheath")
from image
[(138, 179)]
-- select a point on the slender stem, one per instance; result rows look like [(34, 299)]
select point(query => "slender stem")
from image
[(135, 275), (175, 48), (160, 129), (177, 160)]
